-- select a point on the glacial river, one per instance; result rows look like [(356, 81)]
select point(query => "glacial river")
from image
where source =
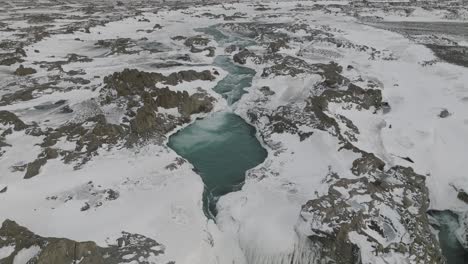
[(222, 147)]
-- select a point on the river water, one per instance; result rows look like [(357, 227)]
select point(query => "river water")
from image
[(222, 147), (451, 248)]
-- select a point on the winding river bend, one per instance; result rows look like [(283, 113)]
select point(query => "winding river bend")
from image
[(222, 147)]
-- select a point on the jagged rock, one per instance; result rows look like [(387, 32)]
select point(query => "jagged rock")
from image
[(184, 57), (85, 207), (78, 58), (188, 76), (112, 195), (9, 118), (145, 121), (9, 60), (354, 94), (128, 248), (166, 64), (387, 210), (241, 57), (66, 109), (385, 106), (187, 104), (275, 46), (331, 73), (118, 46), (102, 133), (40, 18), (368, 163), (444, 113), (453, 54), (87, 140), (266, 91), (133, 82), (49, 106), (266, 32), (21, 95), (230, 49), (289, 65), (22, 71), (196, 41), (463, 196), (178, 38), (211, 50), (33, 168)]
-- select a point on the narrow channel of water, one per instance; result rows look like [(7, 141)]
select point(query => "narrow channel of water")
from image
[(232, 87), (222, 147), (451, 247)]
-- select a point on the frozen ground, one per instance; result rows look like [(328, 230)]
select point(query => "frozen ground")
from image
[(83, 152)]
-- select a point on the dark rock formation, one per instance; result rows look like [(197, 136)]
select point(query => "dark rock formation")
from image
[(10, 119), (211, 50), (22, 71), (129, 247), (452, 54), (33, 168), (463, 196), (118, 46), (275, 46), (444, 113), (196, 41), (242, 56), (133, 82), (358, 209)]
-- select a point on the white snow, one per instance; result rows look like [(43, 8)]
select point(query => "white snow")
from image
[(23, 256), (257, 224), (6, 251)]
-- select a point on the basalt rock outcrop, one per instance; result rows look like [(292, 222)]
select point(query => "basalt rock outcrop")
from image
[(10, 119), (370, 214), (136, 94), (46, 250), (23, 71), (360, 212)]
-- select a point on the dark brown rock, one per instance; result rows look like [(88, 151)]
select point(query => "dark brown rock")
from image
[(9, 118), (22, 71), (61, 250)]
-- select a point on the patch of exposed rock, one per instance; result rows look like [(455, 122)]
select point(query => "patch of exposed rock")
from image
[(131, 90), (91, 195), (263, 32), (11, 58), (385, 208), (137, 92), (10, 122), (133, 82), (33, 168), (196, 41), (452, 54), (10, 119), (129, 46), (23, 71), (358, 216), (129, 247)]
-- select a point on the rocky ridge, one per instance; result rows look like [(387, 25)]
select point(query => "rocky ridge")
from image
[(380, 209)]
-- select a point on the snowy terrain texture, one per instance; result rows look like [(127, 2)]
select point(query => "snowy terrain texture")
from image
[(362, 107)]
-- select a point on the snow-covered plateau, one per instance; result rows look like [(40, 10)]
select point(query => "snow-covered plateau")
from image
[(353, 117)]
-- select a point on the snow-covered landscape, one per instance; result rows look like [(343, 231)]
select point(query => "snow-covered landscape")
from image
[(233, 132)]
